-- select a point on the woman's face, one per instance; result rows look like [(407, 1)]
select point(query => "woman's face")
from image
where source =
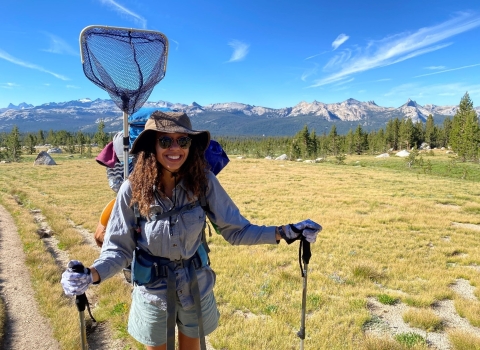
[(173, 157)]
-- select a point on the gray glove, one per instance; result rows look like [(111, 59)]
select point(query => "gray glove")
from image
[(76, 278), (307, 228)]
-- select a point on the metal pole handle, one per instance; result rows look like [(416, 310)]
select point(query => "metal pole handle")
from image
[(80, 302), (306, 254)]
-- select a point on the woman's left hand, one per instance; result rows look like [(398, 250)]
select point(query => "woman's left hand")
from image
[(306, 228)]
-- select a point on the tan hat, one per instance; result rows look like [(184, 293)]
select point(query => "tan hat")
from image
[(169, 122)]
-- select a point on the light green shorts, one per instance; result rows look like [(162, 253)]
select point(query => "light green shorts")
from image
[(148, 324)]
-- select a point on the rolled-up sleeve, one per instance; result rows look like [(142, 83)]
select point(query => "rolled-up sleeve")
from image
[(232, 225), (119, 243)]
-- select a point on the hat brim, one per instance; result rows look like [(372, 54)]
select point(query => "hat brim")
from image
[(144, 138)]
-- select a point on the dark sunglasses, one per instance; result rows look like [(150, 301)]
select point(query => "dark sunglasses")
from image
[(167, 142)]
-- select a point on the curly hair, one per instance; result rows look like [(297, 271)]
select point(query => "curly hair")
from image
[(147, 173)]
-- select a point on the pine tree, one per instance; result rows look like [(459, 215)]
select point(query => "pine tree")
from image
[(51, 139), (334, 140), (380, 143), (359, 140), (444, 133), (464, 136), (313, 149), (418, 134), (13, 146), (295, 150), (392, 133), (80, 138), (40, 137), (30, 143), (349, 142), (407, 133), (430, 131), (100, 137)]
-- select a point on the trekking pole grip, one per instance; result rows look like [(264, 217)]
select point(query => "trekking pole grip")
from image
[(80, 300)]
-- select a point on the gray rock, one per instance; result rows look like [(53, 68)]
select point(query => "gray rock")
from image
[(44, 158)]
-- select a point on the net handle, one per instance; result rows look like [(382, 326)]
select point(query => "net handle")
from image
[(126, 145)]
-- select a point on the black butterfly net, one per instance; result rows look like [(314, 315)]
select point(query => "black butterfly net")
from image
[(127, 63)]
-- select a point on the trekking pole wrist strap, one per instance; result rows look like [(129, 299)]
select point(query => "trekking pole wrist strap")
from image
[(281, 231)]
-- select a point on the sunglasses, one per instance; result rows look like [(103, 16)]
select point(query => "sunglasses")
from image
[(167, 142)]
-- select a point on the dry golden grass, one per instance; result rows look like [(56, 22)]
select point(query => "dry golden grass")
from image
[(2, 319), (468, 309), (464, 341), (424, 319), (375, 343), (382, 229)]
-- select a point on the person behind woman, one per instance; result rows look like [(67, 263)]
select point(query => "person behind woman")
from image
[(173, 283)]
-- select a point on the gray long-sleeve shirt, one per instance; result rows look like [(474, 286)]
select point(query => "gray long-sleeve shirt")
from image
[(177, 237)]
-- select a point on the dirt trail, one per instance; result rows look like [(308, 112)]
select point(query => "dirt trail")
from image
[(25, 327)]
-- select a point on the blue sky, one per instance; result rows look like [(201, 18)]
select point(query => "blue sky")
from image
[(264, 53)]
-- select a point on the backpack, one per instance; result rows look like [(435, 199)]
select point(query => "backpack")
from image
[(214, 154)]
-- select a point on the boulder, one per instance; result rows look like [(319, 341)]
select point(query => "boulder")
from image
[(44, 158), (282, 157), (402, 153), (383, 155)]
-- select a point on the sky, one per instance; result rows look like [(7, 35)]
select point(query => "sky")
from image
[(264, 53)]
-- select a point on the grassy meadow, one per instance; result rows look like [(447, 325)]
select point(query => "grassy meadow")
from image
[(387, 233)]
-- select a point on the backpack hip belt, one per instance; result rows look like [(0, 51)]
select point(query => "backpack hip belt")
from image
[(149, 268)]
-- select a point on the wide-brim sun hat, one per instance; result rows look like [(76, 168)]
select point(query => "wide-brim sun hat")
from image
[(169, 122)]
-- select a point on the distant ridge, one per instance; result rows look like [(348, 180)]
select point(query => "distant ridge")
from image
[(224, 119)]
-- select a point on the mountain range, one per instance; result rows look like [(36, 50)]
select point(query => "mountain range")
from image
[(223, 119)]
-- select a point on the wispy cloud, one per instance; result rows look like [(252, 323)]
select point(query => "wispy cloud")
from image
[(339, 41), (9, 58), (318, 54), (240, 50), (8, 85), (59, 46), (427, 92), (435, 67), (176, 43), (448, 70), (125, 12), (396, 48), (310, 72), (343, 82)]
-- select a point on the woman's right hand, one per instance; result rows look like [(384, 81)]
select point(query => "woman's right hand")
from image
[(76, 278)]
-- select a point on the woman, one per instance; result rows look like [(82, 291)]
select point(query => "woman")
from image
[(173, 283)]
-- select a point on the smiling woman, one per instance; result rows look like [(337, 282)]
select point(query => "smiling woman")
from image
[(158, 225)]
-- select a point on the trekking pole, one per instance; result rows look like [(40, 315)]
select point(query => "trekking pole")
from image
[(81, 301), (305, 257)]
